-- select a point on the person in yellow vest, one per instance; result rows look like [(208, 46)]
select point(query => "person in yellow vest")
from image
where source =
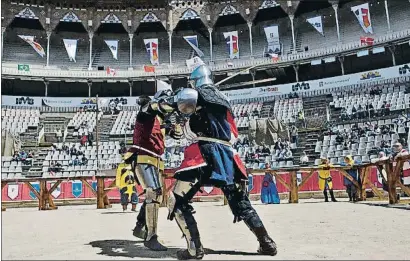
[(325, 179), (126, 183)]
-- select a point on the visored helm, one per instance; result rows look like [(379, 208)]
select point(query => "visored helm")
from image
[(200, 76)]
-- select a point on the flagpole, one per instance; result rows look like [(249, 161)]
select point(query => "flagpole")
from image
[(155, 79)]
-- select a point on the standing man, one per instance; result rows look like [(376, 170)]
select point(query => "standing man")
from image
[(325, 179), (126, 183), (146, 162), (350, 187), (211, 160)]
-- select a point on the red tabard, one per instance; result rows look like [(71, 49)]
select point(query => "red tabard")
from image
[(149, 135)]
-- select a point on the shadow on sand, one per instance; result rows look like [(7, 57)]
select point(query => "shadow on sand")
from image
[(136, 249)]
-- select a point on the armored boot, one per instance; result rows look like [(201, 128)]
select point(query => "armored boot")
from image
[(266, 244), (151, 221), (140, 230), (332, 196)]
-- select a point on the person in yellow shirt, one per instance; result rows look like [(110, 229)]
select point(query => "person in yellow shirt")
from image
[(126, 183), (325, 179)]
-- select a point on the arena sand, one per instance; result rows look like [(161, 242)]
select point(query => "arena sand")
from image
[(310, 230)]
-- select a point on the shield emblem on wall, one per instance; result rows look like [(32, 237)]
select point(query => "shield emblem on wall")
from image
[(77, 188), (13, 191), (36, 186), (208, 189), (250, 182), (57, 192)]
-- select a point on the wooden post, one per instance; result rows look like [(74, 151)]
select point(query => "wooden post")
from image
[(293, 194), (43, 196), (100, 193)]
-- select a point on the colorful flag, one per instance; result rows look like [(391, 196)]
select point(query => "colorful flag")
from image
[(36, 46), (272, 36), (366, 40), (71, 48), (111, 71), (362, 13), (232, 42), (316, 22), (113, 45), (152, 49), (149, 68), (192, 40)]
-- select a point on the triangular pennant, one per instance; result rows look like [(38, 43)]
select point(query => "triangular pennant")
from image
[(71, 48), (362, 13), (192, 40), (113, 46), (36, 46), (189, 14), (70, 17), (26, 13), (229, 10), (268, 4), (111, 19), (150, 18), (316, 22)]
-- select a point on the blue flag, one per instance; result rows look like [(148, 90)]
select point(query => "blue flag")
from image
[(192, 40), (77, 188)]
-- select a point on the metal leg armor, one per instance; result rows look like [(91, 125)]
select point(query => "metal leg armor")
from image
[(147, 221), (182, 211), (242, 210)]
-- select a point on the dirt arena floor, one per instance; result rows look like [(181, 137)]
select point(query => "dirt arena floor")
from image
[(310, 230)]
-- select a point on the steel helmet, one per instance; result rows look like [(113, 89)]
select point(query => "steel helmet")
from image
[(200, 76)]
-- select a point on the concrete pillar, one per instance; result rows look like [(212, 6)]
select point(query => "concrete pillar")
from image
[(250, 37), (386, 7), (336, 8), (210, 29), (170, 46), (130, 36), (342, 66), (130, 84), (296, 68), (89, 83), (48, 47), (90, 37), (291, 17), (46, 88), (393, 56)]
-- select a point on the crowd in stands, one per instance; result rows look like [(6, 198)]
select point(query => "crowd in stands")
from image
[(23, 157)]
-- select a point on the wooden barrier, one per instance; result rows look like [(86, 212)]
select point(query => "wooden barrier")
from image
[(45, 200)]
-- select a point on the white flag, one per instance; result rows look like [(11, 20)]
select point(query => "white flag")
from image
[(272, 36), (192, 40), (71, 48), (232, 42), (316, 22), (362, 13), (194, 62), (36, 46), (113, 45)]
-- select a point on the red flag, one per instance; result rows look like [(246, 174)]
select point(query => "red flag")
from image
[(366, 40), (148, 68)]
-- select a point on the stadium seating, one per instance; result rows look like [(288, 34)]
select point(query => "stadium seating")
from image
[(19, 120)]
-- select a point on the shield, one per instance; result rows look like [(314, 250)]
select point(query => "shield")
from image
[(13, 191), (208, 189), (250, 183), (36, 186), (57, 192), (94, 185), (77, 188), (299, 178)]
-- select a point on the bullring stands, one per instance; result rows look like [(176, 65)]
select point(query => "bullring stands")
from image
[(19, 120)]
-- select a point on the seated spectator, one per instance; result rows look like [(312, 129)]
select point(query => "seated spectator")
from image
[(83, 140), (30, 154), (76, 161), (288, 154), (354, 112), (265, 150), (73, 151), (16, 156), (84, 160), (304, 160)]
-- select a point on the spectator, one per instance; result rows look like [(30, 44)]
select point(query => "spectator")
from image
[(16, 156), (73, 151), (30, 154), (294, 134), (354, 112), (84, 160), (266, 150), (59, 135), (304, 160), (350, 187), (112, 106), (288, 154), (90, 138), (76, 161), (83, 140), (325, 179)]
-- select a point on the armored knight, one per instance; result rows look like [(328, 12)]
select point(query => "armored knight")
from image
[(146, 162), (210, 160)]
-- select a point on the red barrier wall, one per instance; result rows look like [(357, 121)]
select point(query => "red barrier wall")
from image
[(75, 189)]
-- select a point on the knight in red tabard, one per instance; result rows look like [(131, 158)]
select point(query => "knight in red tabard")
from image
[(146, 162)]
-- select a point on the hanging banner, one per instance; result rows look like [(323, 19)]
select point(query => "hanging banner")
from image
[(316, 22), (232, 41), (77, 188), (57, 192), (362, 13), (113, 46), (36, 46), (152, 49), (192, 40), (71, 48), (194, 62), (36, 186), (13, 191), (272, 36)]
